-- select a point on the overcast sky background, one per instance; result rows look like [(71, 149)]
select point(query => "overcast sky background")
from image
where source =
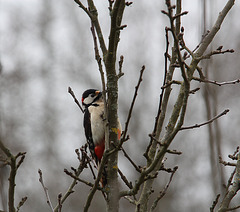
[(46, 46)]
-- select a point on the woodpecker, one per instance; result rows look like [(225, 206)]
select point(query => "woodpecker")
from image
[(93, 122)]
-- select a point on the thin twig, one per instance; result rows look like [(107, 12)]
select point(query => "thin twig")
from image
[(215, 82), (120, 73), (208, 56), (166, 56), (22, 157), (230, 179), (21, 203), (124, 178), (163, 192), (233, 208), (45, 189), (132, 201), (176, 39), (60, 202), (207, 122), (130, 160), (104, 92), (180, 14), (81, 180), (203, 36), (214, 203), (175, 152), (194, 91), (12, 176), (225, 163), (96, 183), (92, 13), (110, 5), (89, 160), (170, 83), (124, 136), (85, 158), (83, 7), (98, 57), (234, 155), (132, 103), (78, 171), (75, 99), (232, 190)]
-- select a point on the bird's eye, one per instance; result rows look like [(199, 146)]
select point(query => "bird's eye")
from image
[(92, 95)]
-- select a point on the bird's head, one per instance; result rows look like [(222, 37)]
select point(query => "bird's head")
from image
[(90, 97)]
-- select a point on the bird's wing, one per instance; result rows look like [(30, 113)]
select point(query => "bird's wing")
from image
[(88, 134)]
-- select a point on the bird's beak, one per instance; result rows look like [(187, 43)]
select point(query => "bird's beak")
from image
[(98, 92)]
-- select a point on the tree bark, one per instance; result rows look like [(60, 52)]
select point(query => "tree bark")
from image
[(112, 105)]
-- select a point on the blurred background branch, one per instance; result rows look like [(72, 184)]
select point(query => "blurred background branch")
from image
[(14, 162)]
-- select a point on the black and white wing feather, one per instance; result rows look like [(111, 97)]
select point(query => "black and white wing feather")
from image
[(88, 133)]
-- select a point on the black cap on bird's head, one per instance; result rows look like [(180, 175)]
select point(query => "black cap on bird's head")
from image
[(90, 96)]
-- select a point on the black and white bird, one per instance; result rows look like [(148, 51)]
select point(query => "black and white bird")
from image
[(93, 104)]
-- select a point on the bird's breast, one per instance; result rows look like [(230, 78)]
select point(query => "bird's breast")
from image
[(97, 124)]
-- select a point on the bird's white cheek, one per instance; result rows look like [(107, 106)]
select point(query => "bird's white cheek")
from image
[(88, 100)]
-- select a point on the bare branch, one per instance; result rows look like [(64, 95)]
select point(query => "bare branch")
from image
[(215, 82), (130, 160), (214, 203), (199, 70), (232, 190), (79, 179), (92, 13), (124, 178), (233, 208), (180, 14), (45, 190), (21, 203), (96, 183), (110, 5), (175, 152), (128, 3), (203, 36), (104, 92), (85, 159), (75, 99), (120, 73), (60, 202), (166, 56), (208, 56), (98, 58), (225, 163), (84, 8), (234, 155), (78, 171), (230, 179), (207, 122), (154, 157), (13, 172), (209, 37), (22, 157), (170, 83), (194, 91), (132, 105), (175, 31), (132, 201), (163, 192)]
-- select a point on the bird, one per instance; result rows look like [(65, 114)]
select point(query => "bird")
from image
[(93, 122)]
